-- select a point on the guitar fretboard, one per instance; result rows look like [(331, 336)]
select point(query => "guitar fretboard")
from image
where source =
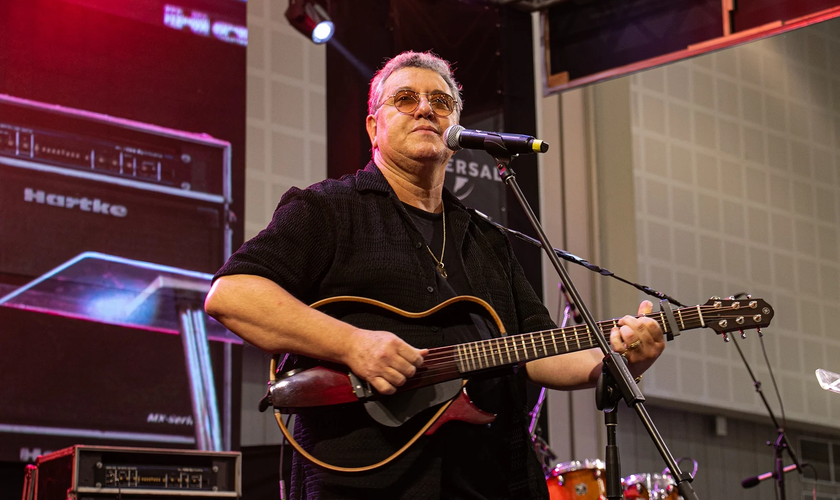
[(516, 349)]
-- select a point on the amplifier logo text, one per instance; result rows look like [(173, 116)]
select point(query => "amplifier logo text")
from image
[(163, 418), (84, 204), (30, 454)]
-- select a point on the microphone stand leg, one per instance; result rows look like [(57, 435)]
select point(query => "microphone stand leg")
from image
[(613, 461), (607, 397), (779, 449)]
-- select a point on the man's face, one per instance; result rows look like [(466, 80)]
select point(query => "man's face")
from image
[(417, 136)]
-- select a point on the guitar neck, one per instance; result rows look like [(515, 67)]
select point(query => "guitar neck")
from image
[(512, 350)]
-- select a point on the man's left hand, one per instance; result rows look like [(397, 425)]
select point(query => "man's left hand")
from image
[(639, 340)]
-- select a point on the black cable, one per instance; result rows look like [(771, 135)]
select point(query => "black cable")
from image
[(775, 385), (581, 262), (767, 361), (282, 483), (816, 479)]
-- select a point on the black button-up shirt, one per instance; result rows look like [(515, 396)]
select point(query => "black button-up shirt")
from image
[(353, 236)]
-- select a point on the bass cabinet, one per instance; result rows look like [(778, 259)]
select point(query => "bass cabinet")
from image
[(71, 182)]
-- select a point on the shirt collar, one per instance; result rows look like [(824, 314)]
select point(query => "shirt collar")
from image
[(371, 179)]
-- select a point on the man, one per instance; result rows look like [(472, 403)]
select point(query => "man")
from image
[(392, 233)]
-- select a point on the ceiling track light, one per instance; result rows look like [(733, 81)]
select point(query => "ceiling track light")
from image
[(311, 19)]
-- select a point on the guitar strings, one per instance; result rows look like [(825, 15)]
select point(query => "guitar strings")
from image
[(484, 353)]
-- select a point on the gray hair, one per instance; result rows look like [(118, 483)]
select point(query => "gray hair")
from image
[(410, 59)]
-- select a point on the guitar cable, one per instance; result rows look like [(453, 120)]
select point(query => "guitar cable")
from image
[(282, 483)]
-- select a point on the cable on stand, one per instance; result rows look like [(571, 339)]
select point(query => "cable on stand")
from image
[(621, 381)]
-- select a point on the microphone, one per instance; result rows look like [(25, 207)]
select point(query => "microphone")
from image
[(752, 481), (458, 137)]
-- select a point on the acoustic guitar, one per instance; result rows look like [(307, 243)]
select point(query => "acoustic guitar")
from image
[(443, 375)]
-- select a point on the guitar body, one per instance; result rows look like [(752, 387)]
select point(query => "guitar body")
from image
[(396, 410)]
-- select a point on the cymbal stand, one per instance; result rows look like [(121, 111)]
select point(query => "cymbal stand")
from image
[(613, 362)]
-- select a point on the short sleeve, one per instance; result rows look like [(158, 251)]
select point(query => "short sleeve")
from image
[(295, 250)]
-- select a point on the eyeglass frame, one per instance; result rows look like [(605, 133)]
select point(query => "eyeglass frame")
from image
[(418, 101)]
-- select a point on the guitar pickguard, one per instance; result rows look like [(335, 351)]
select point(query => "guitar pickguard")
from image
[(398, 408)]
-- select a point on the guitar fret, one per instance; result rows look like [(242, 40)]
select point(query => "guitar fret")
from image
[(566, 338), (542, 338), (554, 340), (682, 323), (515, 350), (476, 358), (577, 337), (700, 313), (534, 345), (484, 355), (460, 358), (465, 353), (466, 350), (507, 349), (491, 346), (477, 355), (664, 322)]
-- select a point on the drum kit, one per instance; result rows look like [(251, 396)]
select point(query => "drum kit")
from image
[(585, 480)]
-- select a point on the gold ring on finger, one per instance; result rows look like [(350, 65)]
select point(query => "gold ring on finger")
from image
[(634, 345)]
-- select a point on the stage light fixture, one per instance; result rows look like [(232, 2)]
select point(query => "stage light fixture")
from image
[(310, 19)]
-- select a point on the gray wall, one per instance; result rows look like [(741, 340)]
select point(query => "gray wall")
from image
[(736, 182), (286, 146)]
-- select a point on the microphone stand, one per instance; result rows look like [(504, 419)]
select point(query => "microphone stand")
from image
[(620, 378), (781, 444)]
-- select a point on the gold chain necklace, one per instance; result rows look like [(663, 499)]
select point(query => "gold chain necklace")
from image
[(440, 267)]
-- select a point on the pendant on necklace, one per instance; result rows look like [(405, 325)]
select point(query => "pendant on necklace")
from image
[(441, 270)]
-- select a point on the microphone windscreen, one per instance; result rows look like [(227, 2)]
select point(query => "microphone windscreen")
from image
[(450, 136), (750, 482)]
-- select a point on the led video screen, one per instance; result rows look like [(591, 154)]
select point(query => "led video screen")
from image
[(122, 133)]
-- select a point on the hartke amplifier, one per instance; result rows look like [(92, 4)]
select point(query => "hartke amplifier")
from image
[(75, 181), (99, 472), (72, 182)]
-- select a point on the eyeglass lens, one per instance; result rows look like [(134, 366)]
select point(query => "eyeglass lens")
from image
[(407, 101)]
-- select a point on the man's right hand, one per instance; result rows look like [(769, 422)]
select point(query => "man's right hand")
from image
[(382, 359)]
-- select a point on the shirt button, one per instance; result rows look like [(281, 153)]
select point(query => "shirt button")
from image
[(418, 245), (430, 289), (435, 328)]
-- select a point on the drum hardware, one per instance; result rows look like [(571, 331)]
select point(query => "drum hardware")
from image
[(577, 480), (650, 487), (667, 472)]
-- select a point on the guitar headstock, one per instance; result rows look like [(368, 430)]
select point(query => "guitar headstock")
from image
[(730, 315)]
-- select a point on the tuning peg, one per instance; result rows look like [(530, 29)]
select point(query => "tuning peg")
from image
[(725, 337), (743, 335), (758, 331)]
